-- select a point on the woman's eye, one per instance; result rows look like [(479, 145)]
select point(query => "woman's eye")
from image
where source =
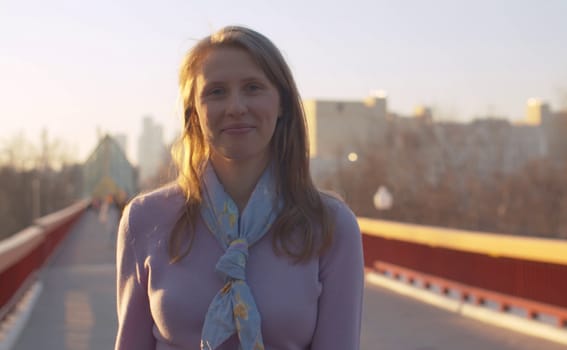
[(215, 92), (253, 87)]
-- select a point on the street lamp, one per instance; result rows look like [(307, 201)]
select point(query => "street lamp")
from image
[(383, 199), (352, 156)]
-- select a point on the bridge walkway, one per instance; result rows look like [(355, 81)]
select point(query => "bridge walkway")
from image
[(76, 307)]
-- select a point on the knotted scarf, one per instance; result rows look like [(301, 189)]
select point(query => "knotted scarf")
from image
[(233, 308)]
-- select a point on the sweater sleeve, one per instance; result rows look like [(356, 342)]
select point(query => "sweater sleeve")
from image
[(135, 323), (342, 276)]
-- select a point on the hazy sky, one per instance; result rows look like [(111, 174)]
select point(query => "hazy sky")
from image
[(74, 65)]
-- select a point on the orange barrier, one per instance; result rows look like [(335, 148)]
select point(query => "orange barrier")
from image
[(477, 295), (23, 254), (512, 270)]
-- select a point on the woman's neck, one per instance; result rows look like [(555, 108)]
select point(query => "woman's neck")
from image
[(239, 177)]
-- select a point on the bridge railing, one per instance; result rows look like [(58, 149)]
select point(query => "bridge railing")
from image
[(23, 254), (529, 273), (514, 272)]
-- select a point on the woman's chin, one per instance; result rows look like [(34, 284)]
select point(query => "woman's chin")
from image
[(241, 156)]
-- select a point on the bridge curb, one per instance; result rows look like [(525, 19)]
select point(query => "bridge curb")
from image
[(12, 326), (483, 314)]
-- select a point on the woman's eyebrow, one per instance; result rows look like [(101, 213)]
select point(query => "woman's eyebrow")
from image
[(213, 82), (253, 78)]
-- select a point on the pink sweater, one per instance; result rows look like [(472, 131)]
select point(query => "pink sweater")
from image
[(314, 305)]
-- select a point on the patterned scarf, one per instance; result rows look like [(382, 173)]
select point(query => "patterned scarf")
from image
[(233, 308)]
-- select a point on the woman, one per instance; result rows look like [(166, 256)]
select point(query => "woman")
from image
[(243, 251)]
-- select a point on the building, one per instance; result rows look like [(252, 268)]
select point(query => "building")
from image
[(151, 148), (555, 131), (537, 112), (337, 128), (424, 114), (340, 131), (122, 141), (107, 172)]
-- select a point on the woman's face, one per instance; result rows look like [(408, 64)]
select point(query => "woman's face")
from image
[(236, 104)]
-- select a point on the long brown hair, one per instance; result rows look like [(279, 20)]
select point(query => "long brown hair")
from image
[(303, 210)]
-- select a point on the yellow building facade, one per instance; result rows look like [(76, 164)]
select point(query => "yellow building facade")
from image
[(338, 128)]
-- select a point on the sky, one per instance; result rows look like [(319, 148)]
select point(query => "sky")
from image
[(77, 66)]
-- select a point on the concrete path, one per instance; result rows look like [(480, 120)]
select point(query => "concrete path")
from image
[(394, 322), (76, 309)]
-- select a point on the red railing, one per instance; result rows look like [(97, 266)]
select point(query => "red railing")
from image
[(23, 254), (528, 273)]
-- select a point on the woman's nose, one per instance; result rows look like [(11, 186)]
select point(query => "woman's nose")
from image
[(236, 105)]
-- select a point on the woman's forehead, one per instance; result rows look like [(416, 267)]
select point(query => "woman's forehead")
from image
[(228, 63)]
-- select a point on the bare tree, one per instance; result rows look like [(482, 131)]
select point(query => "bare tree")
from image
[(34, 182), (447, 180), (17, 152)]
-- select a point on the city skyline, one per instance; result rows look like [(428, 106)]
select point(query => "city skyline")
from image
[(74, 67)]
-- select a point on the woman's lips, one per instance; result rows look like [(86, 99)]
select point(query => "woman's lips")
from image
[(238, 130)]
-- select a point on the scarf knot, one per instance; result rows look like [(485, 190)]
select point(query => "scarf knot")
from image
[(233, 263), (233, 309)]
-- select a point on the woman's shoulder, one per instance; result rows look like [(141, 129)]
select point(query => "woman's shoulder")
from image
[(163, 197), (151, 209), (343, 219), (336, 206), (159, 195), (346, 247)]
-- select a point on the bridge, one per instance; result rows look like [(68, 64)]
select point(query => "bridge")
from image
[(426, 288), (107, 173)]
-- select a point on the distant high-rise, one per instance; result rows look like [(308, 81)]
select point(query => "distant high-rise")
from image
[(150, 149), (537, 112)]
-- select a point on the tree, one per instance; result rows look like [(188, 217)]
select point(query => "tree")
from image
[(34, 179), (452, 176)]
